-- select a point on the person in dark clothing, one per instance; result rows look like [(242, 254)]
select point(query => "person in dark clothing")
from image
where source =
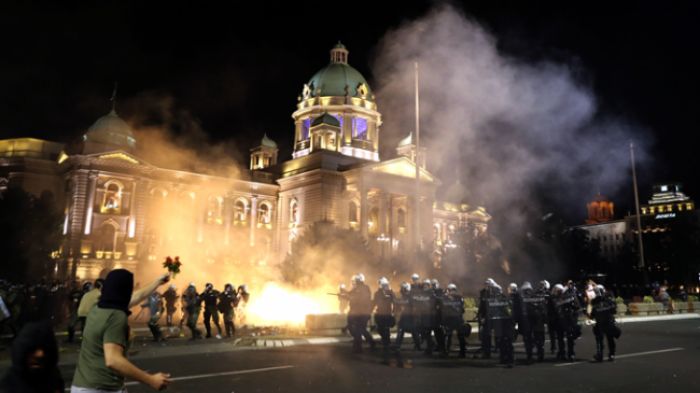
[(552, 327), (531, 313), (567, 309), (228, 301), (424, 306), (75, 297), (438, 327), (360, 310), (155, 309), (383, 304), (405, 324), (192, 306), (452, 311), (34, 362), (603, 310), (170, 297), (209, 297)]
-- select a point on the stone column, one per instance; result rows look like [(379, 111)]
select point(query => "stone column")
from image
[(382, 213), (92, 184), (363, 210), (253, 218), (200, 205), (227, 221), (131, 229)]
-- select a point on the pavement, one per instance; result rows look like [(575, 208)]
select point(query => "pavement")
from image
[(654, 354)]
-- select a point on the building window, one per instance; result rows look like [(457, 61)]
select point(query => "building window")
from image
[(339, 117), (112, 201), (688, 206), (215, 210), (373, 222), (401, 218), (293, 213), (352, 213), (240, 210), (264, 214), (305, 127), (359, 128)]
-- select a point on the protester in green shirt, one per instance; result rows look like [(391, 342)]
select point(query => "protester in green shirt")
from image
[(102, 364)]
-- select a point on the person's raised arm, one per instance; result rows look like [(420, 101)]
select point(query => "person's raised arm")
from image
[(141, 294), (115, 360)]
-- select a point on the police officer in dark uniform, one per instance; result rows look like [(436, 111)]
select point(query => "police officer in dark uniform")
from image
[(210, 296), (531, 322), (424, 313), (170, 297), (484, 318), (567, 308), (383, 305), (360, 310), (404, 307), (603, 310), (192, 306), (452, 311), (496, 309), (228, 300), (438, 326)]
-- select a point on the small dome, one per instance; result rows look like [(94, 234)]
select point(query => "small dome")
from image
[(407, 140), (325, 118), (268, 142), (111, 129)]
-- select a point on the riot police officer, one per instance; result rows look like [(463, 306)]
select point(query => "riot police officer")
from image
[(531, 321), (154, 303), (424, 312), (603, 310), (192, 306), (383, 305), (567, 309), (170, 297), (405, 324), (228, 301), (496, 309), (360, 310), (438, 327), (210, 296), (452, 312)]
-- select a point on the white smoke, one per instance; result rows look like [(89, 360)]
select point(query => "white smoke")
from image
[(508, 126)]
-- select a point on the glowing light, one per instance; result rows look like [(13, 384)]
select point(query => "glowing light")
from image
[(282, 306), (119, 156)]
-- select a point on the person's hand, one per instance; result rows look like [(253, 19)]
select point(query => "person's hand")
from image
[(164, 279), (159, 381)]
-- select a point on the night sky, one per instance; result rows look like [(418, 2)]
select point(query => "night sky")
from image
[(237, 71)]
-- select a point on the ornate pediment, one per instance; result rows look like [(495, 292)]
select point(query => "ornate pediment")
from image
[(403, 167)]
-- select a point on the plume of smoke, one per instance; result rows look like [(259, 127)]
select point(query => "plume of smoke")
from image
[(519, 133)]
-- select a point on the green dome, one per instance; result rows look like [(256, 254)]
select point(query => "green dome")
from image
[(338, 78), (111, 129), (268, 142)]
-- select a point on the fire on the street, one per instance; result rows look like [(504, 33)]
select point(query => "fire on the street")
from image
[(277, 305)]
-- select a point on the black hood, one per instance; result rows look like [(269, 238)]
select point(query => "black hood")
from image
[(116, 290), (20, 377)]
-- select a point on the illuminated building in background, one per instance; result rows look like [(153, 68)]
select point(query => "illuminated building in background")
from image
[(667, 218), (114, 201)]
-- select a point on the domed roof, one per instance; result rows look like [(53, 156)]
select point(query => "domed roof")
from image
[(407, 140), (111, 129), (268, 142), (338, 78), (325, 118)]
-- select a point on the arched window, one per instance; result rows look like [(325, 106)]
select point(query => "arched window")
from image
[(373, 222), (240, 212), (215, 209), (112, 199), (401, 218), (264, 214), (106, 238), (293, 213), (352, 212)]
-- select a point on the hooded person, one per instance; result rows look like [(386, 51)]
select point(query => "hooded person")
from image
[(34, 362), (102, 363)]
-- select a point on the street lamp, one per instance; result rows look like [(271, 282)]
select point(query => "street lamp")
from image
[(383, 239)]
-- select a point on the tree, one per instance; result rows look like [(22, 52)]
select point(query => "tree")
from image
[(30, 231)]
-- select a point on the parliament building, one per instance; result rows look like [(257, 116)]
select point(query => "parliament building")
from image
[(113, 199)]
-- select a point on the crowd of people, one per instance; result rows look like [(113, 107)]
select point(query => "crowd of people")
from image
[(433, 316)]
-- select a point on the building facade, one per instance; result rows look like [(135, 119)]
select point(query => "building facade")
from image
[(115, 202)]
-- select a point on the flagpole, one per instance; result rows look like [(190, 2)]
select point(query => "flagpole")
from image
[(641, 263), (417, 236)]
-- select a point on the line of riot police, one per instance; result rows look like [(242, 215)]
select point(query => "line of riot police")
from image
[(433, 316)]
